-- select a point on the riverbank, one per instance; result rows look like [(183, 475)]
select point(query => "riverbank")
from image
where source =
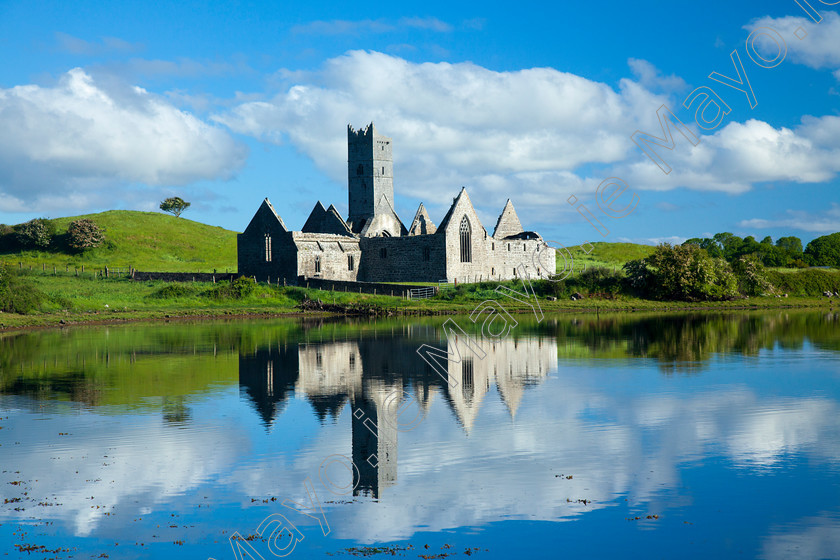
[(81, 301)]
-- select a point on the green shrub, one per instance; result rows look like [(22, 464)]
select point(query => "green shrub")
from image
[(84, 234), (172, 291), (752, 276), (16, 294), (682, 272), (597, 279), (808, 282), (35, 234), (240, 288)]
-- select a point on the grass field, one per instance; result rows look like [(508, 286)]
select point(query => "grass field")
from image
[(608, 255), (148, 241), (79, 300), (156, 242)]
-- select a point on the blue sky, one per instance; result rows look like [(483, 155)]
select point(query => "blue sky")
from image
[(224, 104)]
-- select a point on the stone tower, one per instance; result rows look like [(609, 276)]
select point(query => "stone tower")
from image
[(370, 176)]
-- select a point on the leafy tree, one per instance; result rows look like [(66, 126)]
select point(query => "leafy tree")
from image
[(35, 234), (638, 275), (792, 245), (709, 245), (683, 272), (174, 205), (731, 246), (84, 234), (767, 241), (751, 275), (824, 251)]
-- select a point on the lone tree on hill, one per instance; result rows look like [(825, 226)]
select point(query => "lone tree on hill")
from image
[(174, 205), (84, 234)]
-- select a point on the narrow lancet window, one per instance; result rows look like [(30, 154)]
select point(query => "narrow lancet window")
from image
[(466, 246)]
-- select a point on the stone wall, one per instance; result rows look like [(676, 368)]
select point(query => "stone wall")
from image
[(403, 259), (266, 248), (326, 256), (377, 288), (183, 276)]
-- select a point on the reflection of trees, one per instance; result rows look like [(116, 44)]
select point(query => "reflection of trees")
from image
[(686, 341)]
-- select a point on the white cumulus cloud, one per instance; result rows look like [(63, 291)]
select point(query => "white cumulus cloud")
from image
[(453, 124), (538, 133), (69, 145), (819, 49)]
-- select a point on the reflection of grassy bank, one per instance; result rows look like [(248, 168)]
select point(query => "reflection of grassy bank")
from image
[(83, 300), (153, 367)]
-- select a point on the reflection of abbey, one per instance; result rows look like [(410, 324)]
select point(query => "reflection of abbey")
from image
[(362, 372), (373, 244)]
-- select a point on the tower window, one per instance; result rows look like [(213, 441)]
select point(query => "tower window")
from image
[(427, 254), (383, 253), (360, 170), (492, 246), (383, 171), (350, 262), (466, 246), (267, 248), (317, 265)]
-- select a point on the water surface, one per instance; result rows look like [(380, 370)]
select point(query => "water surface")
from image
[(633, 436)]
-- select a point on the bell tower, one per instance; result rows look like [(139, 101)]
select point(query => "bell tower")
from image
[(370, 176)]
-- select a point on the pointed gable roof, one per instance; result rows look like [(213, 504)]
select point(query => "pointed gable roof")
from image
[(267, 216), (508, 223), (462, 201), (422, 223), (322, 220), (313, 222)]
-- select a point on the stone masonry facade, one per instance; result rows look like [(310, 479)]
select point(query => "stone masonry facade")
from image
[(373, 244)]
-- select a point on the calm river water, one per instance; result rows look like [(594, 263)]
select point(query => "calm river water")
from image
[(619, 436)]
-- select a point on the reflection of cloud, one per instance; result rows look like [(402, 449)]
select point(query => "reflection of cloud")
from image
[(608, 442), (139, 456), (629, 442), (812, 537)]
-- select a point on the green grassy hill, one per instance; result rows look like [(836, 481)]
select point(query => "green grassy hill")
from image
[(148, 241), (609, 255)]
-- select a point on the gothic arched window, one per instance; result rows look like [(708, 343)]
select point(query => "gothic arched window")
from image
[(466, 246)]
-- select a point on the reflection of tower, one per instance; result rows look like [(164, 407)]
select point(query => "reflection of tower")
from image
[(374, 442)]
